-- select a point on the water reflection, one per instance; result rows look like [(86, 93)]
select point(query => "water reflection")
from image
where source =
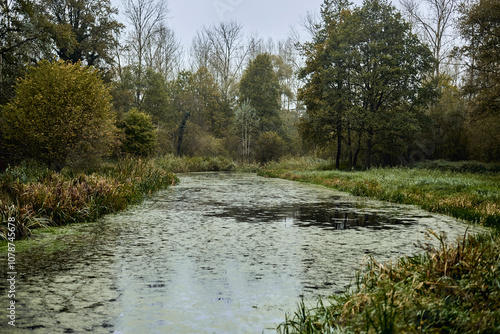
[(220, 253), (328, 216)]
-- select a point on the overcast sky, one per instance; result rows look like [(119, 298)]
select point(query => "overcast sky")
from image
[(268, 18)]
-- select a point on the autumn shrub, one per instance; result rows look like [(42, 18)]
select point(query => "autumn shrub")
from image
[(140, 134), (61, 111), (200, 143)]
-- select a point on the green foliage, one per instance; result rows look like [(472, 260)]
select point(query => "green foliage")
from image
[(140, 134), (22, 34), (83, 30), (198, 142), (195, 99), (479, 26), (447, 132), (156, 97), (259, 86), (366, 82), (269, 146), (483, 137), (60, 109)]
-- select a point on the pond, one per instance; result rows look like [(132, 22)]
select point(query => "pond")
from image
[(219, 253)]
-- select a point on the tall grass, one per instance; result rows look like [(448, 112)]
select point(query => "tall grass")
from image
[(37, 197), (177, 164)]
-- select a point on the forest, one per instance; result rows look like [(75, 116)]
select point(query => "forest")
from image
[(370, 86)]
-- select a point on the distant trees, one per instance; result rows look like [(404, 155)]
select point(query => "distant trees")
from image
[(223, 50), (196, 111), (247, 124), (434, 23), (61, 112), (366, 79), (151, 45), (259, 86), (73, 30), (366, 92), (480, 27), (22, 39)]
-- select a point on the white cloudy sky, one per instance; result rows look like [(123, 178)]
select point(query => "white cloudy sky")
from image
[(268, 18)]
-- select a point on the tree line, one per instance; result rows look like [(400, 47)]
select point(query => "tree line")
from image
[(372, 86)]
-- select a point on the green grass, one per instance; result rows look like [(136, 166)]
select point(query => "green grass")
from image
[(471, 197)]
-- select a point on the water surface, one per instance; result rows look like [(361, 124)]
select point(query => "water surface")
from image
[(219, 253)]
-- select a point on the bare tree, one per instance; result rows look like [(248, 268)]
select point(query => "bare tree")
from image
[(247, 120), (434, 25), (147, 18), (222, 49), (163, 52)]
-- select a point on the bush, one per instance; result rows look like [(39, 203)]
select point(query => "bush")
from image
[(269, 147), (198, 142), (60, 109), (140, 135), (469, 166)]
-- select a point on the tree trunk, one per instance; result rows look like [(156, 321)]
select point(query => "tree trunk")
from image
[(369, 144), (356, 153), (349, 144), (182, 128), (339, 144)]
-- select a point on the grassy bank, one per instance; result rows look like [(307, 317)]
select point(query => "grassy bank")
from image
[(38, 197), (468, 196), (452, 289)]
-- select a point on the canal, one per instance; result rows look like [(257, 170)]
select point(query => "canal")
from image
[(218, 253)]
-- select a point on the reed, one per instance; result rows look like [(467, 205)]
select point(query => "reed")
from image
[(54, 199)]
